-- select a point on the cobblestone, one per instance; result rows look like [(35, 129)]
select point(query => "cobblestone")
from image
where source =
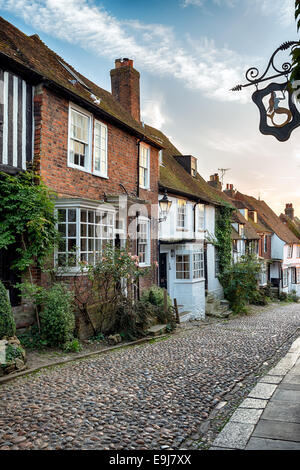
[(149, 396)]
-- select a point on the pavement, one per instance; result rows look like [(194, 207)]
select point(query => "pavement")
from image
[(269, 418)]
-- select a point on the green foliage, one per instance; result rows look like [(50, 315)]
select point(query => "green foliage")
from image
[(223, 236), (7, 322), (72, 346), (13, 352), (154, 298), (240, 284), (288, 297), (57, 316), (295, 53), (32, 339), (27, 218)]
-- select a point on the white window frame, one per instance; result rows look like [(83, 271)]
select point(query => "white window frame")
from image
[(99, 172), (183, 263), (285, 278), (146, 183), (146, 221), (290, 251), (201, 217), (298, 275), (194, 261), (298, 251), (181, 214), (88, 164), (78, 207)]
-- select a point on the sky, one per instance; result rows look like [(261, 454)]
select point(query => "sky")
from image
[(190, 53)]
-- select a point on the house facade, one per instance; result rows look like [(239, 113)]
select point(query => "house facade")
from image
[(278, 245), (188, 262), (88, 146)]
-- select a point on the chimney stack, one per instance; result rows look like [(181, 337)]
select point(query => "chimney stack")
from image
[(229, 191), (125, 86), (289, 211), (215, 182)]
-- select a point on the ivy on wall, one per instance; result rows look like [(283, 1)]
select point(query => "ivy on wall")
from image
[(223, 237), (26, 218)]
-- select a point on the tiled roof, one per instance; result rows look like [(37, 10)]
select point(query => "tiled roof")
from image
[(174, 178), (269, 219), (293, 225), (33, 55)]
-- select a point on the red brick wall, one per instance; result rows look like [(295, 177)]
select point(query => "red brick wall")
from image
[(51, 156)]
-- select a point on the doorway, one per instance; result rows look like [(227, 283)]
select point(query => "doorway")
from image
[(163, 272)]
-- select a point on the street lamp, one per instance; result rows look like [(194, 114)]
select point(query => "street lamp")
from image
[(164, 207)]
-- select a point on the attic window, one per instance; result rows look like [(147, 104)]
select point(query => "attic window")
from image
[(193, 168)]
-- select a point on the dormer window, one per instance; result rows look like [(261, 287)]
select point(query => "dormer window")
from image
[(193, 167), (253, 216)]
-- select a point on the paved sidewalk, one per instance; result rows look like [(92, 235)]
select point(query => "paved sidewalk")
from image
[(269, 418)]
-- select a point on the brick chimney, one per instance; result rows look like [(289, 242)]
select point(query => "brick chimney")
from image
[(125, 86), (289, 211), (229, 190), (215, 182)]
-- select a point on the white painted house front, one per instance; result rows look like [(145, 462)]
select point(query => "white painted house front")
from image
[(182, 254)]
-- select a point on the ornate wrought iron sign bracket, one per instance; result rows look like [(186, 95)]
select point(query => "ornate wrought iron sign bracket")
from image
[(278, 114)]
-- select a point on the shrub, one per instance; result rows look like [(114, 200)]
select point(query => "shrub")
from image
[(32, 339), (239, 282), (7, 322), (72, 346), (258, 298), (57, 318), (155, 297)]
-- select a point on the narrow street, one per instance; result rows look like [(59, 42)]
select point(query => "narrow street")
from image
[(149, 396)]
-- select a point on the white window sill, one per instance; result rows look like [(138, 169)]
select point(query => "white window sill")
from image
[(144, 265), (95, 173), (78, 167), (189, 281)]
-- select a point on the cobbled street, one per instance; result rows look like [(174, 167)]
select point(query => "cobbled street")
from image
[(144, 397)]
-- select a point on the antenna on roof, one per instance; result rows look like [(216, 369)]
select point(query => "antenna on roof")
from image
[(223, 171), (74, 75)]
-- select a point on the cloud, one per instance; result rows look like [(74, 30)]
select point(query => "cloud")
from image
[(152, 113), (200, 3), (154, 47), (283, 10)]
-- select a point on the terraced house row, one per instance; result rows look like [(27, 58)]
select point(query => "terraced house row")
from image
[(110, 171)]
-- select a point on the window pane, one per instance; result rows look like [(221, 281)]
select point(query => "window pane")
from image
[(71, 230), (61, 214), (72, 215)]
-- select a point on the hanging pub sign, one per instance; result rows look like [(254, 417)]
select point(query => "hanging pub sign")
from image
[(279, 115)]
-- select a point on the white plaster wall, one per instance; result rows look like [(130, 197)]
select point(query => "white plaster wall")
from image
[(168, 229), (213, 285), (190, 294), (277, 247)]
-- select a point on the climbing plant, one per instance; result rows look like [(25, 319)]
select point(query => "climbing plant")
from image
[(27, 218), (223, 238), (295, 75)]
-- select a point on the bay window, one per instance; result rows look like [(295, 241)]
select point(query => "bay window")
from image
[(84, 232), (190, 264)]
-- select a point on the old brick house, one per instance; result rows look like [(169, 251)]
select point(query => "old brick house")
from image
[(87, 144)]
